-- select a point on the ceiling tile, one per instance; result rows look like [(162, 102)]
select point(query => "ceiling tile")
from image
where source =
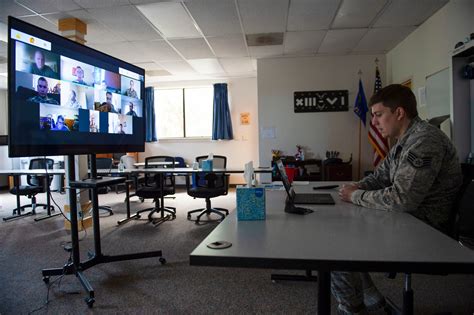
[(383, 39), (408, 12), (266, 51), (155, 50), (48, 6), (170, 18), (230, 46), (121, 50), (94, 4), (206, 66), (215, 17), (13, 9), (178, 67), (310, 15), (96, 31), (358, 13), (302, 42), (148, 65), (157, 73), (263, 16), (49, 22), (195, 48), (341, 41), (126, 21), (237, 65)]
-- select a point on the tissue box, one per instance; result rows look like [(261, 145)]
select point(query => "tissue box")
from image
[(206, 165), (250, 203)]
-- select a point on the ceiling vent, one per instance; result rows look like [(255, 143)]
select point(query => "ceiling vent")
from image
[(264, 39)]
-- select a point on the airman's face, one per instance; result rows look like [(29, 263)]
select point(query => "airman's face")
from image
[(42, 88), (386, 122), (60, 123), (39, 59)]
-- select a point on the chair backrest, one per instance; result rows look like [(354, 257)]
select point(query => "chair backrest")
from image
[(212, 180), (155, 162), (128, 161), (179, 161), (219, 161), (103, 163), (465, 226), (39, 163)]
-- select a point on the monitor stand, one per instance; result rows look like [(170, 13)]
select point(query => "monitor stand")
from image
[(291, 208)]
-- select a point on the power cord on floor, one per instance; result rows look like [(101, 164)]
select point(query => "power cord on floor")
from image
[(50, 285)]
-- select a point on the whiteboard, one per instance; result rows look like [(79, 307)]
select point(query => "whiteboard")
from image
[(438, 94)]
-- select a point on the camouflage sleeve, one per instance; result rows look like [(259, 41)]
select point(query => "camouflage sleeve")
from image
[(419, 165), (379, 179)]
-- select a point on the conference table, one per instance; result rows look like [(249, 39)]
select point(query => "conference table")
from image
[(17, 173), (340, 237)]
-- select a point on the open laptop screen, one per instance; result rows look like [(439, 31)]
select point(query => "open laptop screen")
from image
[(284, 179)]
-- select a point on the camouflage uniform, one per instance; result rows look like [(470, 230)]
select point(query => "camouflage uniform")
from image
[(41, 99), (421, 175)]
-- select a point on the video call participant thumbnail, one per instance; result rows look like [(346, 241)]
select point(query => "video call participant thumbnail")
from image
[(36, 61), (60, 126), (42, 93)]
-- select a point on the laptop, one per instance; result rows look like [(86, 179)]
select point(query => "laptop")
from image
[(310, 199)]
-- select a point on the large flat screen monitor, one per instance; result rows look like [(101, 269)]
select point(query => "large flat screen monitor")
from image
[(65, 98)]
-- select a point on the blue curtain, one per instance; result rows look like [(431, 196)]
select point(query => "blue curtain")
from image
[(150, 114), (221, 122)]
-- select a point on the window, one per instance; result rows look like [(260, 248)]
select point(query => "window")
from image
[(184, 113)]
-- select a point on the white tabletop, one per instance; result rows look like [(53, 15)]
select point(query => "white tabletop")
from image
[(334, 237), (32, 172)]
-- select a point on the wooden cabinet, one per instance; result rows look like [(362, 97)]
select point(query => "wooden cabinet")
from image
[(337, 172)]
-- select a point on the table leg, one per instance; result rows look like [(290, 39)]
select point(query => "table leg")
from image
[(324, 292)]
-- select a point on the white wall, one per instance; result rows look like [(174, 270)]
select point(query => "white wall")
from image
[(278, 78), (244, 147), (428, 49)]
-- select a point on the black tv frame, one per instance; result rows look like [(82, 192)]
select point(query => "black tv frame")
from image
[(65, 149)]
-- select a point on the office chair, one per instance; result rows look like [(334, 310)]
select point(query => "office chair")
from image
[(129, 163), (152, 188), (35, 185), (209, 185)]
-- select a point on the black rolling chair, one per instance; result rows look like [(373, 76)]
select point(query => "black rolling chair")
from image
[(153, 188), (209, 185), (35, 185)]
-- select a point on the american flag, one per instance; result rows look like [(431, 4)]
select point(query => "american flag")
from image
[(378, 142)]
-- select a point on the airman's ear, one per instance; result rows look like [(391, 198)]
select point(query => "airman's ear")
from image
[(401, 113)]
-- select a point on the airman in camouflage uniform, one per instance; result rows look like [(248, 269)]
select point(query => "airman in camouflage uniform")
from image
[(421, 175)]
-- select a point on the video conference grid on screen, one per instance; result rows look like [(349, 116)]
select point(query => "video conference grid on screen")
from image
[(73, 95)]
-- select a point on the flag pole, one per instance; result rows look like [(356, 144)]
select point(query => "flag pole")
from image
[(360, 132)]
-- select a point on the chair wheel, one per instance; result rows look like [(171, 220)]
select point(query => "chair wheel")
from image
[(46, 279), (138, 216), (142, 199), (162, 260), (90, 301)]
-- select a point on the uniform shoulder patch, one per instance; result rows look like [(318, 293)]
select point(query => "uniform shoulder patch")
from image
[(418, 162)]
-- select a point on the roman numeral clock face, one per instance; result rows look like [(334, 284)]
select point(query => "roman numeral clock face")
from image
[(321, 101)]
